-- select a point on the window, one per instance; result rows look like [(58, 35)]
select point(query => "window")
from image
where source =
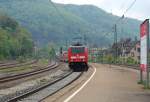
[(138, 49), (76, 50), (138, 57)]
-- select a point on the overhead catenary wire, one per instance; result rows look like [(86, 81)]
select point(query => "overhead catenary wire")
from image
[(129, 7), (60, 14), (115, 27)]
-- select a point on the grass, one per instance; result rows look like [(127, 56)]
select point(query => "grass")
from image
[(40, 63), (144, 84), (140, 82), (17, 69), (43, 62)]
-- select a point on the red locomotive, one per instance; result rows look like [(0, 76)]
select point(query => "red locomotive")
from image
[(78, 57)]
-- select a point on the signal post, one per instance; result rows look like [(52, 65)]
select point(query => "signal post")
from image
[(144, 44)]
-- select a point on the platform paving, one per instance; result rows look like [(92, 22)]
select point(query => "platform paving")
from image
[(115, 84)]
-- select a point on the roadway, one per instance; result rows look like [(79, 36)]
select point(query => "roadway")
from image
[(115, 84)]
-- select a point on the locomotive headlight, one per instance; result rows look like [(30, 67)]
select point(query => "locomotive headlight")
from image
[(73, 57), (82, 57)]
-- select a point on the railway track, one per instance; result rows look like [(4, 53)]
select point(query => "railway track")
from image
[(7, 64), (27, 74), (43, 90), (12, 65)]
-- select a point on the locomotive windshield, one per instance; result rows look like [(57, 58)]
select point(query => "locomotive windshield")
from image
[(76, 50)]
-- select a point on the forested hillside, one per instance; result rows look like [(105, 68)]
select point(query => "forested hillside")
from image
[(15, 41), (50, 25)]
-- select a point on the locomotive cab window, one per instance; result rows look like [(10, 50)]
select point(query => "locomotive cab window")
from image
[(76, 50)]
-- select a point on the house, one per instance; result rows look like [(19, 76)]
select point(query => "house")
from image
[(135, 52), (127, 48)]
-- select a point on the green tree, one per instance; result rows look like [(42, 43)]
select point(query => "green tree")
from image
[(15, 41)]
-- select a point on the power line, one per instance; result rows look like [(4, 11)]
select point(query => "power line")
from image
[(130, 6)]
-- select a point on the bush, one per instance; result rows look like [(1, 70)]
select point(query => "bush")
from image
[(130, 60)]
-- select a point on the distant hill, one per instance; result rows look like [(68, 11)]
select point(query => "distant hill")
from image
[(49, 25)]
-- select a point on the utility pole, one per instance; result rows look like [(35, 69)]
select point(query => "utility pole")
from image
[(116, 38), (66, 43), (115, 42), (85, 40)]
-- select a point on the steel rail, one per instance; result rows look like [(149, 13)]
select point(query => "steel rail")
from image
[(24, 95), (27, 74), (12, 65)]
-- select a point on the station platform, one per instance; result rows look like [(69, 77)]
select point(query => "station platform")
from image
[(110, 84)]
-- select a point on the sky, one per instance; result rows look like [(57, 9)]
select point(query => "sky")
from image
[(140, 10)]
